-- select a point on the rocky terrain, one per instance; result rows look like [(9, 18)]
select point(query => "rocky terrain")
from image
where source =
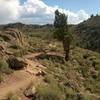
[(32, 65)]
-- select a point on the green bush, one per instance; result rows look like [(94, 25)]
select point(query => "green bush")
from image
[(4, 67), (49, 92), (96, 64), (88, 97), (70, 93), (49, 79)]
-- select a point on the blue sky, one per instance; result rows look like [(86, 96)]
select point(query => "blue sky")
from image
[(42, 11), (90, 6)]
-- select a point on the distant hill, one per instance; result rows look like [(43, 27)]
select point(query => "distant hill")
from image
[(88, 33), (25, 27)]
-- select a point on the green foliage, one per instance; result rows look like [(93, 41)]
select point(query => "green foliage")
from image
[(75, 75), (60, 25), (96, 64), (49, 92), (60, 20), (88, 97), (4, 67), (17, 50), (49, 79), (61, 32), (70, 93), (88, 33)]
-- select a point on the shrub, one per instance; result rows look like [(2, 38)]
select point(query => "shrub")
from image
[(49, 79), (70, 93), (49, 92), (88, 97), (96, 64), (4, 67)]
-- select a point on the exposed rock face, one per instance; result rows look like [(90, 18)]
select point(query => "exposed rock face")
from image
[(16, 63), (15, 35), (12, 39)]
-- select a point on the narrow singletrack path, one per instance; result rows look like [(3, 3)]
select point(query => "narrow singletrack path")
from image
[(22, 78)]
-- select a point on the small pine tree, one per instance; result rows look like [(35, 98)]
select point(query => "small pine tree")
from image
[(61, 32), (97, 14), (92, 16)]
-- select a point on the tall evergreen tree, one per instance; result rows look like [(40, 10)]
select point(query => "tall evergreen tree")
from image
[(61, 32)]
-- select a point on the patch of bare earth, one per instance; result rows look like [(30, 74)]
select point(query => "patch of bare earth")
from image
[(18, 81)]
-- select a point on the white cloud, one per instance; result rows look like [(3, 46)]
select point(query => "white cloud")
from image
[(35, 11), (75, 18), (9, 10)]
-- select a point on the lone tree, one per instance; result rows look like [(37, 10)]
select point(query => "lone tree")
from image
[(61, 32)]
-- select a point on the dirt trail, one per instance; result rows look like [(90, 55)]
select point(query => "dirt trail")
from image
[(16, 85), (21, 79)]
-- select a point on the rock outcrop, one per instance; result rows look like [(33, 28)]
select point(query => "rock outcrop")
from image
[(16, 63), (31, 92)]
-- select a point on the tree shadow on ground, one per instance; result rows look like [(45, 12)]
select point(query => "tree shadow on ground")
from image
[(52, 57)]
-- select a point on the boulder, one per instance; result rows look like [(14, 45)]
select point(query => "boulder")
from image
[(31, 92), (16, 63)]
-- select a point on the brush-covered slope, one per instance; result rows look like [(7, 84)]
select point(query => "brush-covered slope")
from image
[(88, 33), (77, 79)]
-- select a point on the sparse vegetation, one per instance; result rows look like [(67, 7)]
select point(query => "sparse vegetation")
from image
[(49, 92), (88, 33), (11, 96), (4, 67), (73, 74), (76, 79), (1, 78)]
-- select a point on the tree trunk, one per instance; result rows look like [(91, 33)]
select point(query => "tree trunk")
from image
[(66, 46)]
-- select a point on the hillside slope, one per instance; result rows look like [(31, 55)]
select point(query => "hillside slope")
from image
[(77, 79), (88, 33)]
